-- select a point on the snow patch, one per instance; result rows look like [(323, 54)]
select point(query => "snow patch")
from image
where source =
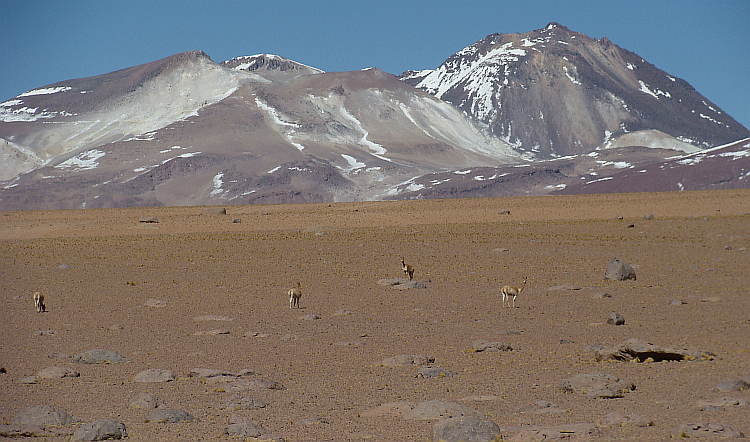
[(377, 149), (83, 161), (45, 91)]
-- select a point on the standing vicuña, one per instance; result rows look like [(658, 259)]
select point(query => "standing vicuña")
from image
[(39, 302), (294, 295), (509, 292), (407, 268)]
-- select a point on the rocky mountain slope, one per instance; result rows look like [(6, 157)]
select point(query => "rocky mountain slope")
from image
[(556, 92), (525, 114)]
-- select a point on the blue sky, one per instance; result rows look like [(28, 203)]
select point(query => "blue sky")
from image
[(706, 43)]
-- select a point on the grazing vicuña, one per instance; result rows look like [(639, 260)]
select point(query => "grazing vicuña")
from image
[(510, 292), (39, 302)]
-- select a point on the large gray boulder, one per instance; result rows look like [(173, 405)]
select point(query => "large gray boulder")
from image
[(98, 356), (154, 375), (619, 270), (170, 416), (707, 429), (597, 385), (43, 415), (104, 429), (642, 351), (465, 429)]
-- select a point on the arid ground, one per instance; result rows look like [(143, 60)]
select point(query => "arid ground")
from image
[(198, 290)]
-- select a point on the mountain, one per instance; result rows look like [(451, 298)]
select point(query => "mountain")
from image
[(554, 92), (262, 129), (549, 111)]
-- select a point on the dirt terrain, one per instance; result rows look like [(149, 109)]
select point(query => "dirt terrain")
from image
[(199, 289)]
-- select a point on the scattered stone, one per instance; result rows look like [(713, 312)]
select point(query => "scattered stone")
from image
[(482, 398), (255, 334), (146, 401), (649, 216), (500, 250), (155, 303), (43, 416), (542, 407), (104, 429), (3, 370), (466, 429), (312, 421), (597, 385), (28, 380), (601, 295), (617, 419), (45, 333), (246, 429), (116, 327), (98, 356), (213, 318), (208, 373), (720, 404), (215, 211), (615, 319), (237, 221), (705, 429), (255, 384), (738, 384), (434, 372), (154, 375), (64, 266), (242, 402), (534, 433), (342, 312), (152, 220), (619, 270), (563, 287), (310, 317), (641, 351), (392, 409), (677, 302), (435, 409), (247, 372), (214, 332), (404, 360), (401, 283), (56, 372), (727, 247), (171, 416), (504, 212), (482, 345), (353, 344)]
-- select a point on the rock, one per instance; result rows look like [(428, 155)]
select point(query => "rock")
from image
[(403, 360), (155, 303), (641, 351), (170, 416), (146, 401), (215, 211), (401, 283), (677, 302), (615, 319), (705, 429), (43, 415), (342, 312), (154, 375), (392, 409), (504, 212), (208, 373), (617, 419), (99, 357), (242, 402), (434, 372), (104, 429), (45, 333), (16, 431), (534, 433), (619, 270), (255, 384), (465, 429), (597, 385), (214, 332), (719, 404), (649, 216), (601, 295), (315, 420), (237, 221), (563, 287), (310, 317), (56, 372), (152, 220), (482, 345), (738, 384), (246, 429), (435, 409), (542, 407)]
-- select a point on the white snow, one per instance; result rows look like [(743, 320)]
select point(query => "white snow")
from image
[(645, 89), (570, 77), (353, 163), (82, 161), (600, 179), (274, 169), (45, 91), (377, 149), (217, 182), (276, 117)]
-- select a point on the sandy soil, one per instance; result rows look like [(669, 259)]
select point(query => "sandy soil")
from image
[(98, 269)]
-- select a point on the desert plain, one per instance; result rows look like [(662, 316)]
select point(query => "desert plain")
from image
[(185, 288)]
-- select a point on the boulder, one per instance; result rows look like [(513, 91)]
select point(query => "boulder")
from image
[(617, 419), (98, 356), (242, 402), (642, 351), (154, 375), (170, 416), (434, 372), (615, 319), (619, 270), (404, 360), (535, 433), (246, 429), (104, 429), (465, 429), (146, 401), (738, 384), (43, 415), (597, 385), (720, 404), (56, 372), (435, 409), (482, 345), (706, 429)]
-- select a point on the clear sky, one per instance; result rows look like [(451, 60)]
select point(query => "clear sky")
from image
[(705, 42)]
